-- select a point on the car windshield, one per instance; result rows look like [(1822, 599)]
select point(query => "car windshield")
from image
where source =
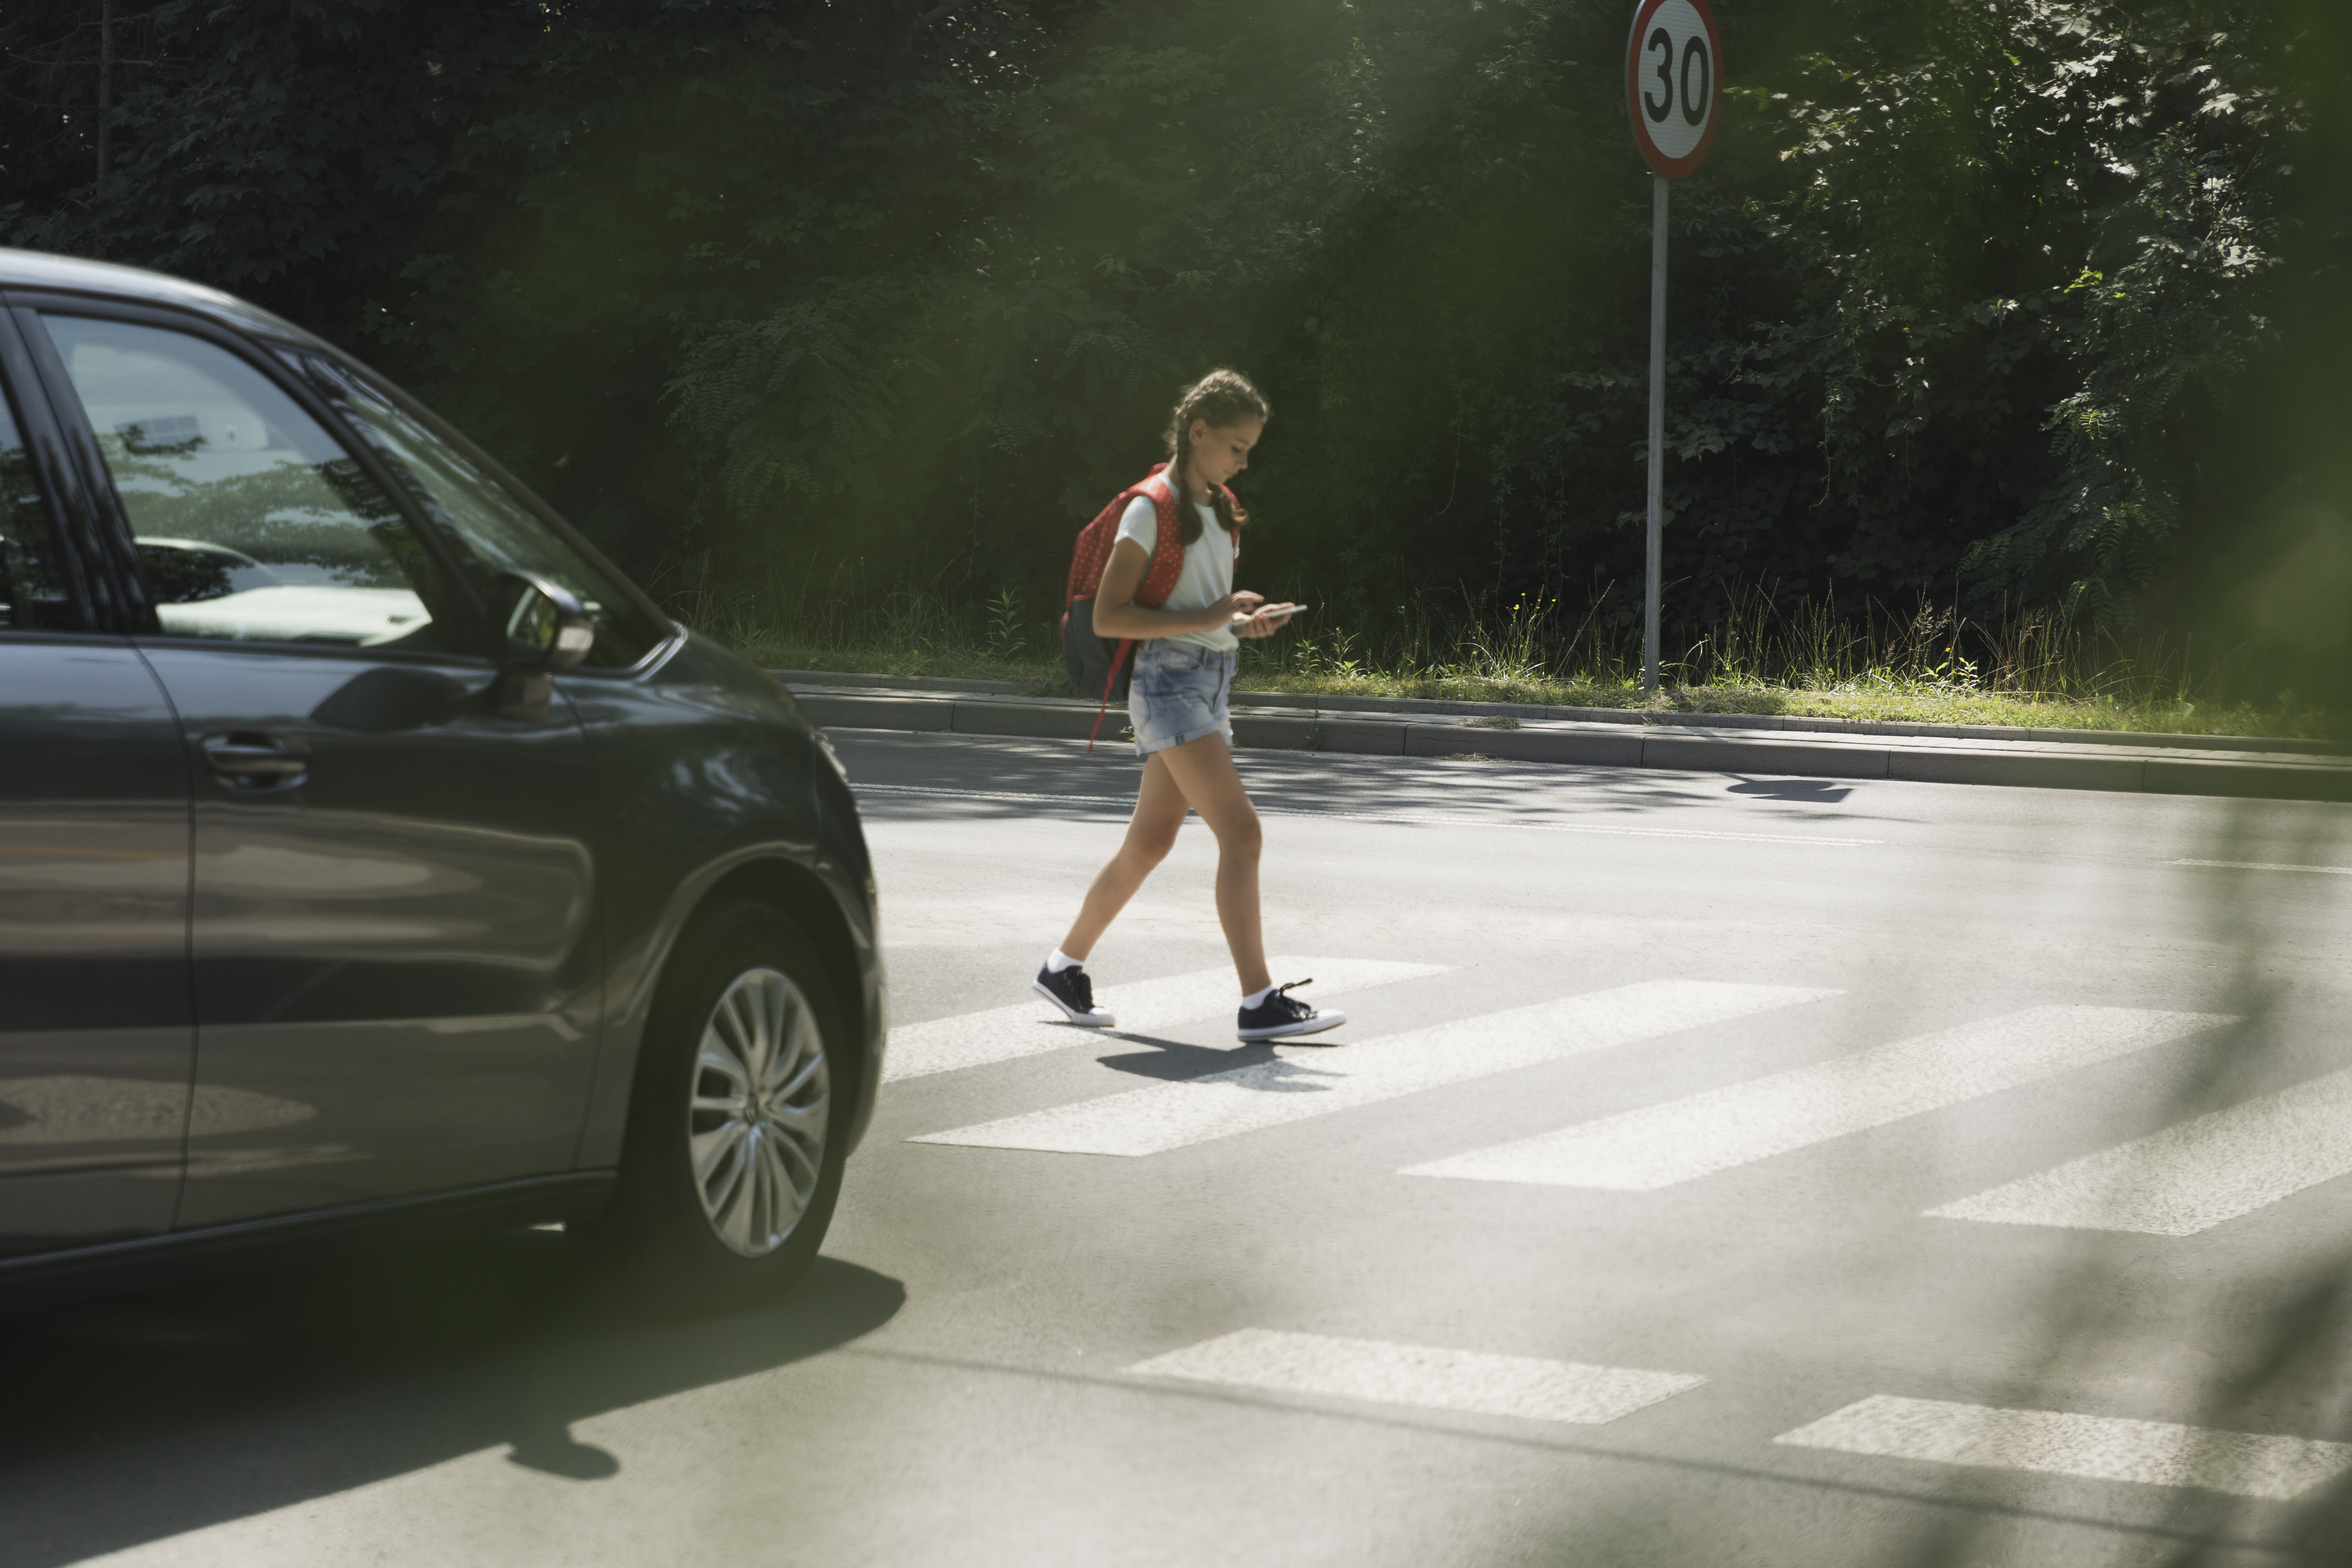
[(494, 531)]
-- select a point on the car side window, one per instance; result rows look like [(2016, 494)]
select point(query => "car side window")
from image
[(252, 522), (35, 593), (493, 529)]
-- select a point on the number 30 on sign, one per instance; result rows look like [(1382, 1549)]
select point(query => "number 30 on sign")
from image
[(1674, 83)]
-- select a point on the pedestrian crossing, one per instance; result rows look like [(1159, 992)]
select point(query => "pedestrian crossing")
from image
[(2061, 1443), (2178, 1182), (1032, 1027), (1124, 804), (1285, 1089), (1427, 1376), (2267, 1466), (2191, 1178), (1682, 1140), (2268, 866)]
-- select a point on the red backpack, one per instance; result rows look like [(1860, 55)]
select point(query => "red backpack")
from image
[(1096, 664)]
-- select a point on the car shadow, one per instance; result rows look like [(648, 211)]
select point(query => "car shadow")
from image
[(143, 1417)]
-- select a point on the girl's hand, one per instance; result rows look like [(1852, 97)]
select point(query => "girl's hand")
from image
[(1261, 622), (1230, 611)]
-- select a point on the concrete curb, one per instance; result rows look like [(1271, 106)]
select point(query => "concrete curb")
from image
[(1938, 758)]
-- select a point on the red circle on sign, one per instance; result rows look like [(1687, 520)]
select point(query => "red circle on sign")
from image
[(1670, 78)]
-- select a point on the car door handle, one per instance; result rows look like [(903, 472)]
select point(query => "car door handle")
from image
[(256, 760)]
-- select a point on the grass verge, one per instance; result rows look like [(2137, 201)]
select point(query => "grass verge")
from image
[(2023, 676), (1877, 699)]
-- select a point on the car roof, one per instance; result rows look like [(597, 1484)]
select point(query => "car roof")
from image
[(71, 274)]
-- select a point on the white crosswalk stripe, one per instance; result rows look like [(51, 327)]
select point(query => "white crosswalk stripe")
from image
[(1033, 1027), (1290, 1088), (1660, 1145), (1426, 1376), (2267, 866), (1123, 803), (2191, 1177), (2100, 1448)]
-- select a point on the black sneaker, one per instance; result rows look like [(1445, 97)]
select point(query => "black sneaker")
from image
[(1281, 1015), (1074, 993)]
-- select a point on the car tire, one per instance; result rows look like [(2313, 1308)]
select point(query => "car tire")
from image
[(739, 1122)]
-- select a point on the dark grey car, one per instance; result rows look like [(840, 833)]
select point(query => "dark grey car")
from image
[(372, 852)]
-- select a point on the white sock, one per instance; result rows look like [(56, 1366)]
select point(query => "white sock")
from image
[(1258, 1000), (1057, 961)]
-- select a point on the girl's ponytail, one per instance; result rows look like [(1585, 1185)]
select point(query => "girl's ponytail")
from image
[(1221, 397)]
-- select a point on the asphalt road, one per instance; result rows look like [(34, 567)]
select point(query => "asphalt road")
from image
[(1601, 1235)]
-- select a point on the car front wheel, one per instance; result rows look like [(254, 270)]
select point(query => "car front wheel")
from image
[(737, 1129)]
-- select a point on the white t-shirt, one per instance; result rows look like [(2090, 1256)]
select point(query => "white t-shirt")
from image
[(1208, 572)]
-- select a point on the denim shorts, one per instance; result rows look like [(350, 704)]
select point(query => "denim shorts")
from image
[(1179, 693)]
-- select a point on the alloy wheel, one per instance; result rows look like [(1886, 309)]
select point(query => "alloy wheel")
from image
[(756, 1119)]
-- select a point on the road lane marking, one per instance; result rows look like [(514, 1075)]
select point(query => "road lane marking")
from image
[(1124, 803), (1418, 819), (2267, 866), (1318, 1082), (2056, 1443), (1682, 1140), (1379, 1373), (2188, 1177), (1033, 1027)]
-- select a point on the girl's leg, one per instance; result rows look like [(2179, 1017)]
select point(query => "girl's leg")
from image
[(1159, 809), (1203, 770)]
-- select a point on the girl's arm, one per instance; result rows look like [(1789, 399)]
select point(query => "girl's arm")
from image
[(1116, 614)]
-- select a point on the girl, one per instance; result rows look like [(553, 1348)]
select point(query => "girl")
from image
[(1177, 698)]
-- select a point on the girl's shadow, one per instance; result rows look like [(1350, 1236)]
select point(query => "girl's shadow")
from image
[(1173, 1062)]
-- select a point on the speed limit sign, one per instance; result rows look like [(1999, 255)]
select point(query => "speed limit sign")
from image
[(1674, 83), (1674, 90)]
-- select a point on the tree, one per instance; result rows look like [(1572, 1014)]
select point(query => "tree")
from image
[(901, 291)]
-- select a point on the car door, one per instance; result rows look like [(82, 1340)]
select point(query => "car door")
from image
[(97, 1034), (394, 878)]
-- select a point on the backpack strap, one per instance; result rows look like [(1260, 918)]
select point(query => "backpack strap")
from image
[(1168, 556), (1109, 680)]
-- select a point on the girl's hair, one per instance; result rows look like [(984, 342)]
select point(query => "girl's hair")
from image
[(1221, 397)]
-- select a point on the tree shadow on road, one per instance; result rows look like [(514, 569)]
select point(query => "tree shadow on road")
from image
[(1804, 792), (2198, 1327)]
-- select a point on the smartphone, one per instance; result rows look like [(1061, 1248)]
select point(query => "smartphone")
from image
[(1271, 610)]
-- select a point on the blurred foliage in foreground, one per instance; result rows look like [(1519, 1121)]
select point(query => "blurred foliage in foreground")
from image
[(2015, 306)]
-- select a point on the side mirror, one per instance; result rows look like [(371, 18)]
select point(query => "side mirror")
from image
[(548, 631)]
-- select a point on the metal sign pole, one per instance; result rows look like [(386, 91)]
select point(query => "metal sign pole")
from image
[(1674, 85), (1659, 187)]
